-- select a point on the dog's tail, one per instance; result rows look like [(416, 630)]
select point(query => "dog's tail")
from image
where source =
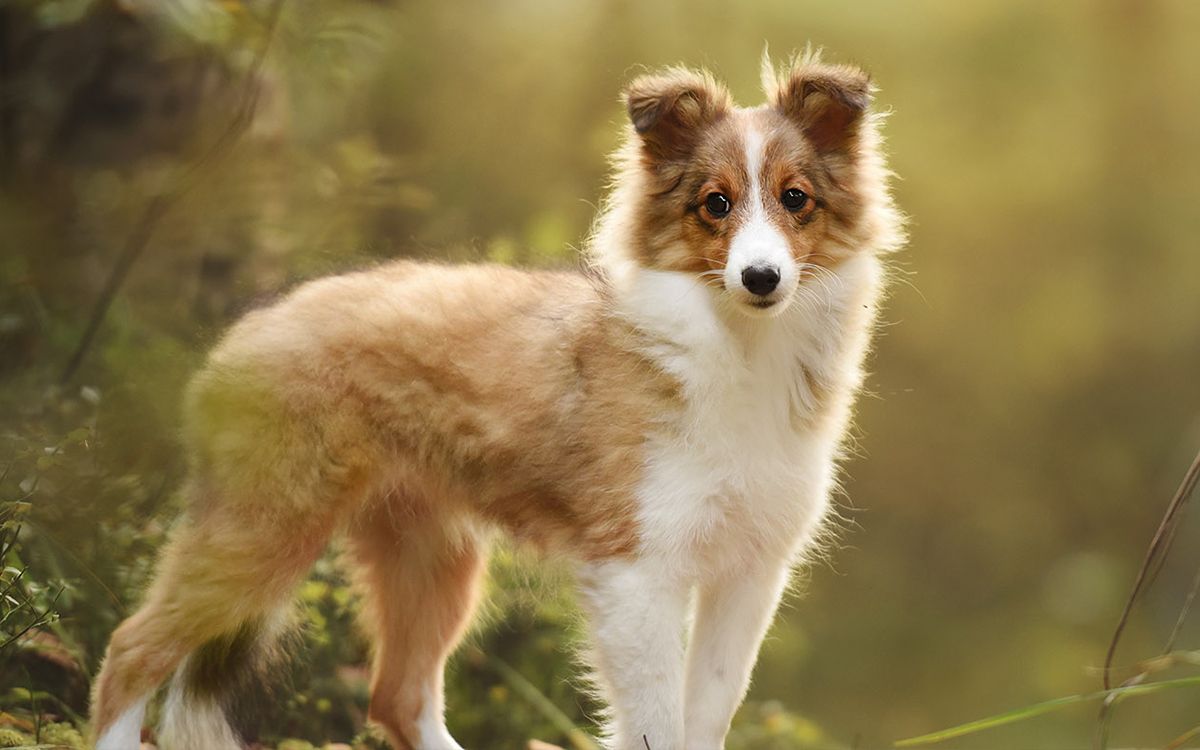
[(199, 705)]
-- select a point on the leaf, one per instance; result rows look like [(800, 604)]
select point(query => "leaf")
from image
[(1037, 709)]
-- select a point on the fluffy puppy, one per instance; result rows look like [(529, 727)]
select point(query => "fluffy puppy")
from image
[(670, 420)]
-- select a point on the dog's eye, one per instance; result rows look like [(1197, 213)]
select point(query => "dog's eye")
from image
[(718, 205), (793, 199)]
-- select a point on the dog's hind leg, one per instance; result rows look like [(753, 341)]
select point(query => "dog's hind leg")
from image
[(225, 571), (419, 576)]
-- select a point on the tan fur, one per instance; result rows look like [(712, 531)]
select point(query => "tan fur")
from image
[(419, 576), (428, 389), (509, 393), (412, 406)]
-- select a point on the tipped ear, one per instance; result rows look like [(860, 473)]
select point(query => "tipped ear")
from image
[(669, 109), (828, 102)]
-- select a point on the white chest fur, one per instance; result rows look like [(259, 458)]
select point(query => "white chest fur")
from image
[(743, 473)]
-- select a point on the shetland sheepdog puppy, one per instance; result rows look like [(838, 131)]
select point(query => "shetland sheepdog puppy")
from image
[(668, 419)]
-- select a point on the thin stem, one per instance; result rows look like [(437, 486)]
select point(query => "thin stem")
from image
[(1158, 545)]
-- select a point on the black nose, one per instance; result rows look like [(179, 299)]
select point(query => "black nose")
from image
[(760, 280)]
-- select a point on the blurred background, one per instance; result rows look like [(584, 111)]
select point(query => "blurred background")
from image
[(1034, 396)]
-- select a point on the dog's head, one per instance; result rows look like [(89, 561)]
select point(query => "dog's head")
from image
[(755, 201)]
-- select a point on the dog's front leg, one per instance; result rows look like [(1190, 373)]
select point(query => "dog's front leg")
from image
[(732, 616), (636, 611)]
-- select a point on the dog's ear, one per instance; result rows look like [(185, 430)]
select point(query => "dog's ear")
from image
[(828, 102), (669, 109)]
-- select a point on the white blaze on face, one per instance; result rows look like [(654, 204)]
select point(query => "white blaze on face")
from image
[(758, 242)]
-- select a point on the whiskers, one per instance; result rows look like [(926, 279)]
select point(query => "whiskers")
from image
[(714, 278), (831, 284), (816, 297), (809, 300)]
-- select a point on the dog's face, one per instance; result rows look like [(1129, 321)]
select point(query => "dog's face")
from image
[(754, 201)]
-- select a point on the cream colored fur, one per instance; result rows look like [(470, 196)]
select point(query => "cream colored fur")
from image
[(667, 429)]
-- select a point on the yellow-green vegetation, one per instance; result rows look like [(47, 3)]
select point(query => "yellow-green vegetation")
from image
[(1032, 406), (52, 735)]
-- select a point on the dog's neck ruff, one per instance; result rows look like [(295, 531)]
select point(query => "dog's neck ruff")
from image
[(788, 364)]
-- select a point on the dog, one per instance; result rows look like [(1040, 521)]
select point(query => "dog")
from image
[(669, 418)]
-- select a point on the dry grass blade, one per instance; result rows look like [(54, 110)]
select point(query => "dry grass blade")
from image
[(1156, 554), (1145, 669), (1183, 613), (1183, 739), (1157, 549)]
